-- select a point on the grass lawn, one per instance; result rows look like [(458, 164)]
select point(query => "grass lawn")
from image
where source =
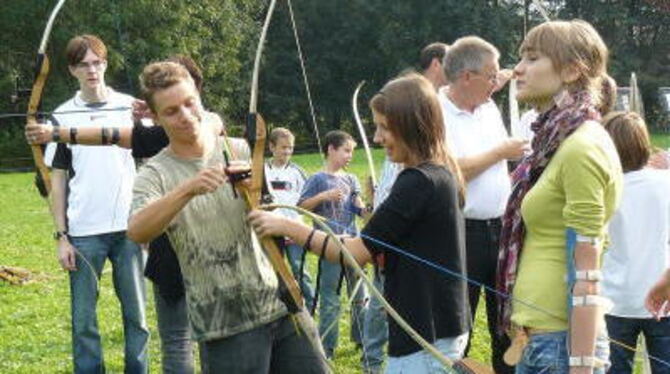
[(35, 318), (661, 140)]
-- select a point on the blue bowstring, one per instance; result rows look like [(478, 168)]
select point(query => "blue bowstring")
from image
[(476, 283)]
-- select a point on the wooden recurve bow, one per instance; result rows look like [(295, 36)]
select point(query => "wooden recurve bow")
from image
[(254, 195), (41, 75)]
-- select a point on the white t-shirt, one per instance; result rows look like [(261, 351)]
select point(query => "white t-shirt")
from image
[(100, 191), (522, 129), (639, 251), (470, 134), (390, 171), (285, 184)]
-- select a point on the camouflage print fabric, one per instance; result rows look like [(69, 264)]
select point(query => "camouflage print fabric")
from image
[(230, 285)]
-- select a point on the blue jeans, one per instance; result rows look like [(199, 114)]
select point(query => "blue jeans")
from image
[(548, 354), (294, 253), (329, 306), (174, 329), (423, 362), (127, 263), (375, 332), (276, 347), (627, 330)]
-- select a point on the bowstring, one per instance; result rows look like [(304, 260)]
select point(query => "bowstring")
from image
[(121, 36), (304, 77), (465, 278), (48, 114)]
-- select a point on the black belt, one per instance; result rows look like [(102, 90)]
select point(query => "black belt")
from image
[(483, 222)]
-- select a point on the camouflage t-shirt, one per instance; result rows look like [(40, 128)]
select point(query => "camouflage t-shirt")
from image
[(230, 284)]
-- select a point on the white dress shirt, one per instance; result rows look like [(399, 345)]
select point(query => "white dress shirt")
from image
[(470, 134)]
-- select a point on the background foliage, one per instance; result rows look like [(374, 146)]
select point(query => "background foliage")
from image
[(343, 42)]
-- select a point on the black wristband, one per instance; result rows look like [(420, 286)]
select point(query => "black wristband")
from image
[(341, 250), (73, 135), (103, 136), (116, 135), (55, 134), (324, 246), (308, 242)]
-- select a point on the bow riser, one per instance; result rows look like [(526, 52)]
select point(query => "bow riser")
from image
[(256, 134), (256, 127), (41, 74)]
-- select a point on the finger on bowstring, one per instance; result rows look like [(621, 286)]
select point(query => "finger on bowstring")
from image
[(213, 177), (261, 230), (257, 224), (254, 216)]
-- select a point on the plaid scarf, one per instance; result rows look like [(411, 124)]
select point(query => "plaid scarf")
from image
[(551, 128)]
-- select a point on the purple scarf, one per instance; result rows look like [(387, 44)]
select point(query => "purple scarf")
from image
[(551, 128)]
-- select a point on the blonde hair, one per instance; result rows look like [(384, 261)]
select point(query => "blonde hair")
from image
[(572, 44), (280, 132), (608, 94)]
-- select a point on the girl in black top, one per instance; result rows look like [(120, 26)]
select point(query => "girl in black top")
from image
[(422, 216)]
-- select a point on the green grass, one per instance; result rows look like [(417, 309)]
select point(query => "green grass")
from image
[(35, 318), (661, 140)]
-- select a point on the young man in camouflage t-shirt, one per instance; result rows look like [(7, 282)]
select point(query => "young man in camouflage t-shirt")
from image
[(231, 289)]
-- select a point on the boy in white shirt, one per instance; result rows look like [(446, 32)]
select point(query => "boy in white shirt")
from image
[(92, 191), (285, 180), (639, 251)]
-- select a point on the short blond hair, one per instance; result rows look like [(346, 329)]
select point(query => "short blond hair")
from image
[(572, 44), (159, 76), (280, 132)]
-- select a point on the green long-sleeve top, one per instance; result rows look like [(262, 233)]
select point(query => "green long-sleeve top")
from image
[(579, 189)]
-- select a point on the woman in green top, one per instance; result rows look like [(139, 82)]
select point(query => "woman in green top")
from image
[(564, 194)]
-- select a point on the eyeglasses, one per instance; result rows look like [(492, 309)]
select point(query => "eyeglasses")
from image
[(94, 64), (491, 77)]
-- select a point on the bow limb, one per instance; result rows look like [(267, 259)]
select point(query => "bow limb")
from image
[(41, 74), (387, 306), (364, 138), (465, 365), (635, 98), (256, 134)]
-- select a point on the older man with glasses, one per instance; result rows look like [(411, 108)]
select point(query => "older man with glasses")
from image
[(477, 136)]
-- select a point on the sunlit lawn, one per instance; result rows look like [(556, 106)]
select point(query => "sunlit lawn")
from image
[(35, 318)]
